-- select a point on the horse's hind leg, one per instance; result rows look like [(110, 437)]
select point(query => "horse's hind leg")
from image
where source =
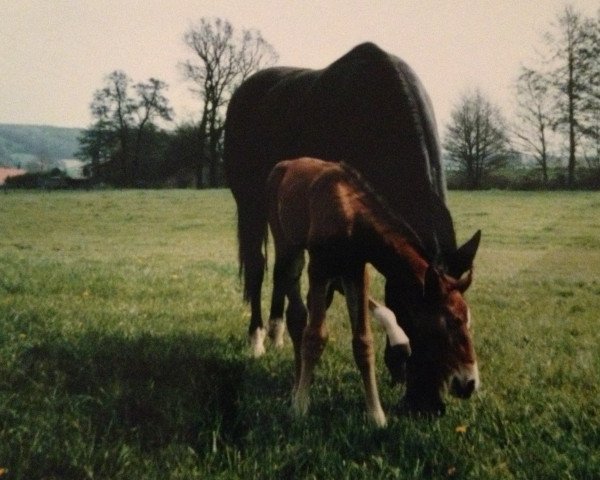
[(256, 330), (278, 301), (296, 313), (253, 278), (252, 231), (286, 274), (355, 289), (314, 338)]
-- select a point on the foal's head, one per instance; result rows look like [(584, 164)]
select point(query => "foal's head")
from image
[(443, 357)]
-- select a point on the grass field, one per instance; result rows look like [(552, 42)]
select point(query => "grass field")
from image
[(123, 352)]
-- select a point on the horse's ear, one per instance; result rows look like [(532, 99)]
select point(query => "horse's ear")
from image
[(461, 261), (464, 282), (433, 289)]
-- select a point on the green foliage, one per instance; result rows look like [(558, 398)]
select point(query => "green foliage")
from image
[(529, 178), (223, 58), (124, 144), (476, 139), (123, 350)]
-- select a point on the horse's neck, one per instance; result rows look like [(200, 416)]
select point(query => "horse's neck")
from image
[(392, 253)]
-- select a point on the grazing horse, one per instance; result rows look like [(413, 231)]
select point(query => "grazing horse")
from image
[(369, 110), (327, 209)]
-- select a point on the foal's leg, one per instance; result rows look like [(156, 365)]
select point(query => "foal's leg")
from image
[(314, 337), (355, 288), (334, 285), (296, 313), (286, 281)]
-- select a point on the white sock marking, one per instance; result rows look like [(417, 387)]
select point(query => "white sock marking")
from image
[(276, 331), (386, 318), (257, 342)]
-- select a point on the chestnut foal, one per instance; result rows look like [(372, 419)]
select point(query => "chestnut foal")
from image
[(327, 209)]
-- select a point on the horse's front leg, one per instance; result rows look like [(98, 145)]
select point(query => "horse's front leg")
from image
[(314, 337), (355, 289)]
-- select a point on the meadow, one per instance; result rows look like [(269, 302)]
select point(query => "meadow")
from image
[(123, 350)]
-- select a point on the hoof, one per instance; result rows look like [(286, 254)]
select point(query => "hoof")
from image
[(378, 419), (257, 342), (300, 403), (276, 331)]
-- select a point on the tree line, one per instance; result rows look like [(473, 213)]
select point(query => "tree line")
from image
[(126, 146), (557, 117)]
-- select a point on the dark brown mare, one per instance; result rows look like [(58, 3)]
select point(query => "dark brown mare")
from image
[(369, 110), (327, 209)]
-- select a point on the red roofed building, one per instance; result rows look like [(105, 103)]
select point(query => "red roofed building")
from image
[(6, 172)]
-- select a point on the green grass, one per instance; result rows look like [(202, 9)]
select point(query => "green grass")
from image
[(123, 350)]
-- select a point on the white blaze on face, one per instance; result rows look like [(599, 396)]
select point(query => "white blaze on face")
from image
[(468, 317), (386, 318)]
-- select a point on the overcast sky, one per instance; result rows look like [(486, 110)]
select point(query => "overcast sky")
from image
[(55, 53)]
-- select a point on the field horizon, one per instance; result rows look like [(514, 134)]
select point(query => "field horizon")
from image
[(123, 349)]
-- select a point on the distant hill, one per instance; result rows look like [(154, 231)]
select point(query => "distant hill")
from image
[(34, 146)]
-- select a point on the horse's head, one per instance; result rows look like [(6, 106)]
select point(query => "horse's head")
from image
[(443, 337), (437, 321)]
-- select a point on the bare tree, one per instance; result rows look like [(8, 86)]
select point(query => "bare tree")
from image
[(568, 78), (126, 118), (223, 60), (589, 124), (150, 104), (534, 117), (567, 72), (112, 108), (476, 141)]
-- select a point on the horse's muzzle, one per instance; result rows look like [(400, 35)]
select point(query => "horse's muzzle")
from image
[(465, 382), (462, 390)]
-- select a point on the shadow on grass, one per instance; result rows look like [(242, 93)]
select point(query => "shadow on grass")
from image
[(108, 403), (123, 406), (153, 391)]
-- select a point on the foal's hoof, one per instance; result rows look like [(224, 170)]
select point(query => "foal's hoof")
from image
[(257, 342), (300, 403), (276, 331), (378, 418)]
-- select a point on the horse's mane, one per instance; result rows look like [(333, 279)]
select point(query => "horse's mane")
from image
[(381, 209)]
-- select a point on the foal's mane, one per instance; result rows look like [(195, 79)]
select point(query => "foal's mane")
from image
[(381, 210)]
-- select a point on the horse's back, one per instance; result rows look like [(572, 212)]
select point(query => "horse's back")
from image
[(367, 109), (261, 124), (370, 110)]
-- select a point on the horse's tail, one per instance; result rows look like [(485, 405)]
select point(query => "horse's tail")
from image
[(252, 231)]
